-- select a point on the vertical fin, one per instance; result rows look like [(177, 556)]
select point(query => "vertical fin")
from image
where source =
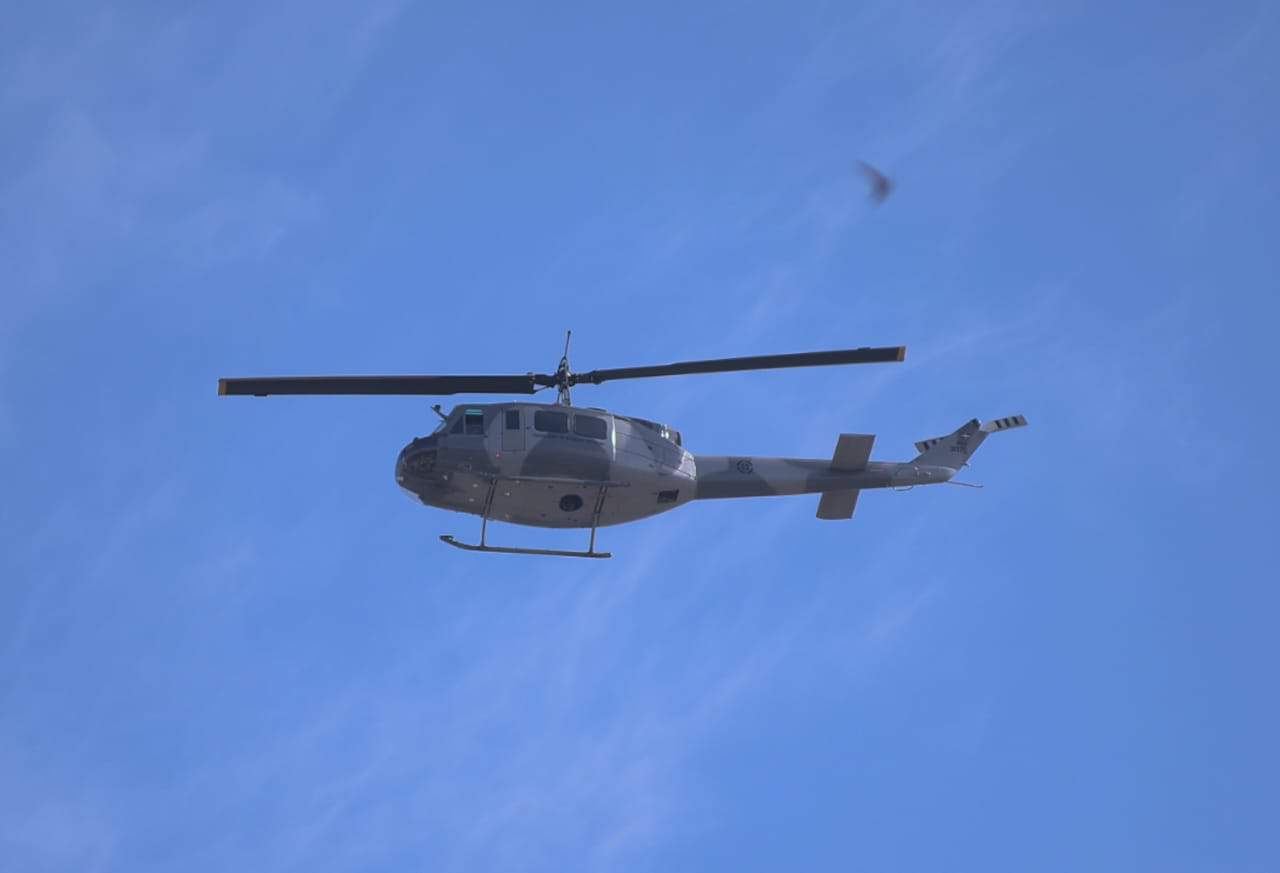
[(954, 449)]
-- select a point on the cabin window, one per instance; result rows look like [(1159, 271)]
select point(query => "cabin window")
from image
[(551, 422), (474, 422), (590, 426), (513, 419)]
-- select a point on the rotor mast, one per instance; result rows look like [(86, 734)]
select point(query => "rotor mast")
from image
[(564, 378)]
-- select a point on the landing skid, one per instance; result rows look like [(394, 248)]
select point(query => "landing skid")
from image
[(482, 546), (511, 550)]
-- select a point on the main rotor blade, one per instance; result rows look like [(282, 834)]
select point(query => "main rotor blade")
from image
[(262, 386), (886, 355)]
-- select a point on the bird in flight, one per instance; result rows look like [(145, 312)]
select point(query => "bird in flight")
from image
[(881, 184)]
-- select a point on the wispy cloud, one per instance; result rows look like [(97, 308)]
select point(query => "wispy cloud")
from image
[(563, 724), (51, 829), (96, 177)]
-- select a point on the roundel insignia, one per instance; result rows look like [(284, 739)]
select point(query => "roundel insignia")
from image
[(744, 466)]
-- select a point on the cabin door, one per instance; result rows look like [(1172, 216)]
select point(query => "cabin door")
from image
[(512, 423)]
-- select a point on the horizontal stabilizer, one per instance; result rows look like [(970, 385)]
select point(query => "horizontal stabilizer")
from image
[(853, 450), (836, 505)]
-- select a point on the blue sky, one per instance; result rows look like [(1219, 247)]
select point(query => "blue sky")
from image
[(227, 641)]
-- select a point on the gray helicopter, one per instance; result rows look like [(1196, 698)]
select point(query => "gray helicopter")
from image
[(564, 466)]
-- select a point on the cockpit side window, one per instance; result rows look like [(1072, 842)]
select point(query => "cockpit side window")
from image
[(550, 422), (473, 422), (590, 426), (457, 426)]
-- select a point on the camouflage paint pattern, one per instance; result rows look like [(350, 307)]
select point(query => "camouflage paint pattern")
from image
[(526, 475)]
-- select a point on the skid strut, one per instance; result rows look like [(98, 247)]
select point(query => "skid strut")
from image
[(483, 546)]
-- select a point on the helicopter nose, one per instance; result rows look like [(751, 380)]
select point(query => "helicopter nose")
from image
[(416, 459)]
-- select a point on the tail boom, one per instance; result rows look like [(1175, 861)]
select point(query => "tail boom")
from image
[(847, 472), (720, 476)]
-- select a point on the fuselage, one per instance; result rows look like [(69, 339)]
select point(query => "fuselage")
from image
[(549, 465)]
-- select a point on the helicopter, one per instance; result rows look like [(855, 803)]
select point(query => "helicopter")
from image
[(556, 465)]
